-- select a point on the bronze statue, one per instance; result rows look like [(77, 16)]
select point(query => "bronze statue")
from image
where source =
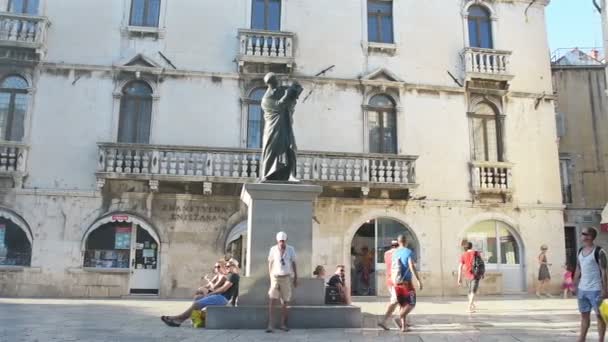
[(279, 144)]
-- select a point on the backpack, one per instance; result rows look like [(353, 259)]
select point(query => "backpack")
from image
[(479, 268)]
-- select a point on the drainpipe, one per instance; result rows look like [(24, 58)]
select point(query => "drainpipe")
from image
[(441, 261)]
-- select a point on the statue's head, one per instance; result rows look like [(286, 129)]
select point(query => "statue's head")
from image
[(271, 79)]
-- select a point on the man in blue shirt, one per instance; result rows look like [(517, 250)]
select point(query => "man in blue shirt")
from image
[(403, 270)]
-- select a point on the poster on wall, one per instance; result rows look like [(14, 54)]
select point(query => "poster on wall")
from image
[(3, 250), (122, 238)]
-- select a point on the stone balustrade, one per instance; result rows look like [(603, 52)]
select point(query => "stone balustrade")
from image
[(13, 157), (491, 177), (243, 165), (486, 62), (22, 30), (260, 47)]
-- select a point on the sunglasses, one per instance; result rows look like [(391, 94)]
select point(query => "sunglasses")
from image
[(585, 234), (282, 262)]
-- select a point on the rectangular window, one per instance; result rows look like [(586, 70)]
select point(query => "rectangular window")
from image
[(560, 122), (266, 15), (380, 21), (23, 6), (145, 13), (564, 167), (485, 141)]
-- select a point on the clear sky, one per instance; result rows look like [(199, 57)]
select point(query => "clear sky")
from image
[(573, 23)]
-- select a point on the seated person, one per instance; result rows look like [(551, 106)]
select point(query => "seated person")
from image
[(219, 296), (218, 280), (337, 281), (319, 272)]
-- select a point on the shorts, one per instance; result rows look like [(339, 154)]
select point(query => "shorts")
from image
[(391, 291), (211, 300), (406, 294), (280, 288), (588, 300), (473, 285)]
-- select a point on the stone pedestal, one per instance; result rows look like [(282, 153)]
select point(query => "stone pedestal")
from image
[(275, 207)]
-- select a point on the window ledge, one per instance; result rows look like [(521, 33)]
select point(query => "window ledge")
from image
[(144, 31), (384, 48), (7, 268), (105, 270)]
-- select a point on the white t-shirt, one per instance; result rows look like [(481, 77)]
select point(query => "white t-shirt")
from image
[(282, 268)]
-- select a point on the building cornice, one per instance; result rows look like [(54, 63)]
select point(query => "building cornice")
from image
[(355, 82)]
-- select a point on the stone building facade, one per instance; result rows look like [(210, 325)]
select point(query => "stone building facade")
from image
[(128, 135), (579, 81)]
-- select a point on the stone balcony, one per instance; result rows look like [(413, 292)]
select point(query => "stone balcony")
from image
[(487, 64), (492, 180), (160, 163), (263, 51), (13, 159), (23, 36)]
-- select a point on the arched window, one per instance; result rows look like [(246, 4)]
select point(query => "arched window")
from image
[(15, 247), (255, 118), (135, 113), (13, 107), (370, 242), (382, 124), (145, 13), (266, 15), (380, 21), (480, 28), (498, 246), (487, 145), (23, 6)]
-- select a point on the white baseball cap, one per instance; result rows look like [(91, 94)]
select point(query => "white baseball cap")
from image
[(281, 236)]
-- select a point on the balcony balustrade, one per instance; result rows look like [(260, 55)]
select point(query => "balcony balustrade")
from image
[(182, 163)]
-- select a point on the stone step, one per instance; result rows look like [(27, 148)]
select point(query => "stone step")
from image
[(300, 317)]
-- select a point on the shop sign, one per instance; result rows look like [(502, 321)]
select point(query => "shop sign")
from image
[(122, 218)]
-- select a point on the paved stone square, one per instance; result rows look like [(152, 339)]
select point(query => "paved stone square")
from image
[(509, 318)]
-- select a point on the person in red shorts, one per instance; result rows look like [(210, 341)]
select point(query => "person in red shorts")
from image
[(388, 261), (403, 272)]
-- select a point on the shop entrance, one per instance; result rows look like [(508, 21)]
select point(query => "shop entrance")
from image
[(370, 242), (122, 243), (501, 249)]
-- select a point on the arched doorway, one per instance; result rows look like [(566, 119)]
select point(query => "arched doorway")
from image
[(502, 251), (370, 242), (125, 242), (236, 244)]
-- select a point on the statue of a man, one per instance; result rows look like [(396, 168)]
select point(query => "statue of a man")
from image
[(279, 144)]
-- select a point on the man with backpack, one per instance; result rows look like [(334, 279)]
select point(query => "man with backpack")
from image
[(473, 267), (590, 278)]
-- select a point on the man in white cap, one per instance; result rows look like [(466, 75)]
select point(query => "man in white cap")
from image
[(281, 268)]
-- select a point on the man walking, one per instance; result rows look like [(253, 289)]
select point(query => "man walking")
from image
[(281, 268), (466, 266), (403, 270), (388, 261), (590, 275)]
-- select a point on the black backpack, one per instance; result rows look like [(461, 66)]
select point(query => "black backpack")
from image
[(596, 253), (479, 268)]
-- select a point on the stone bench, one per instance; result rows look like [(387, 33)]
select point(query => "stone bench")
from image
[(300, 317)]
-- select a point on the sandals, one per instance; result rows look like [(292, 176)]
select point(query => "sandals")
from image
[(381, 325), (168, 321)]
